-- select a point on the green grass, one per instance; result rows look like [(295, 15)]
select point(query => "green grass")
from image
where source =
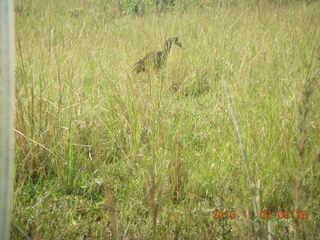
[(104, 154)]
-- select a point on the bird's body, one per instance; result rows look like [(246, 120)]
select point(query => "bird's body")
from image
[(155, 59)]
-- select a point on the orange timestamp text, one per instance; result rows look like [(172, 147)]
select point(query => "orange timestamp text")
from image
[(222, 214)]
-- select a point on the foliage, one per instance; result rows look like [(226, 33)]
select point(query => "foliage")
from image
[(102, 153)]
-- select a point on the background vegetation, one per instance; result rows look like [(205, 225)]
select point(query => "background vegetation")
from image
[(104, 154)]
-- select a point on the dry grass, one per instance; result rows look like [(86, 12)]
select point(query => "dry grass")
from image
[(102, 154)]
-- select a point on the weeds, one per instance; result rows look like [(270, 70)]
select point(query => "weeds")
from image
[(164, 140)]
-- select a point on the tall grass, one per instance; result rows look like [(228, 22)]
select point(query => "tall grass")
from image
[(149, 156)]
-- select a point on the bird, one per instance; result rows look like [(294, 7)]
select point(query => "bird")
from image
[(156, 59)]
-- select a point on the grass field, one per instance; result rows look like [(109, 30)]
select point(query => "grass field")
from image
[(105, 154)]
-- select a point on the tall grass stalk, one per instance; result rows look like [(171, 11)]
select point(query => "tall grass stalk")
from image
[(69, 173), (253, 188)]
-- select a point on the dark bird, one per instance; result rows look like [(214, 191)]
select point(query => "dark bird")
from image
[(156, 59)]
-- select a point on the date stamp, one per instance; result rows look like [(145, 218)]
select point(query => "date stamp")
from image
[(265, 215)]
